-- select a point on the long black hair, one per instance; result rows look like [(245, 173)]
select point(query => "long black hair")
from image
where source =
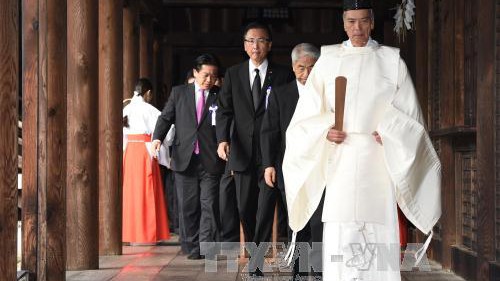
[(142, 86)]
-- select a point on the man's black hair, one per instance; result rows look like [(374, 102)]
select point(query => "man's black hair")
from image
[(205, 59), (258, 25)]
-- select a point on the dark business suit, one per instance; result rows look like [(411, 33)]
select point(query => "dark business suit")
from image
[(196, 176), (236, 104), (281, 106), (229, 229)]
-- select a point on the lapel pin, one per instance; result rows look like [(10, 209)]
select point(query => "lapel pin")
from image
[(213, 110)]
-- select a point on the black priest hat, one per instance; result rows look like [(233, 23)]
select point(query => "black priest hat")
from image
[(357, 4)]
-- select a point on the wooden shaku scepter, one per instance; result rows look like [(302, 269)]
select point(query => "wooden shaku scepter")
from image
[(340, 87)]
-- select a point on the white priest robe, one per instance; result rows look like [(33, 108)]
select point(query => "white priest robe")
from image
[(363, 179)]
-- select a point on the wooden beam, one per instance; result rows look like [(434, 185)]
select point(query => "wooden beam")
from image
[(130, 49), (110, 126), (486, 70), (9, 67), (82, 194)]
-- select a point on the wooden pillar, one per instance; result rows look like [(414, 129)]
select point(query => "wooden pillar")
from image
[(130, 48), (205, 20), (30, 59), (146, 48), (82, 194), (168, 68), (225, 19), (307, 22), (9, 67), (44, 134), (447, 120), (422, 33), (485, 137), (110, 126), (156, 78), (160, 66)]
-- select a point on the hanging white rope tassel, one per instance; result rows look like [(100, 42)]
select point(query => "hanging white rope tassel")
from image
[(421, 252), (291, 249)]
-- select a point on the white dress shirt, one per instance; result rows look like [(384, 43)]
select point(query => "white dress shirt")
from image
[(300, 87), (197, 93), (262, 71)]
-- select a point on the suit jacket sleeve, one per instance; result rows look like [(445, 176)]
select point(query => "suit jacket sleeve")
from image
[(166, 118), (270, 136), (291, 76), (225, 110)]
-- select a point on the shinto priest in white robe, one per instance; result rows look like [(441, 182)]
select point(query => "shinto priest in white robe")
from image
[(363, 179)]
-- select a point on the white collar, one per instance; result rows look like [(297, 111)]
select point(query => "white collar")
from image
[(300, 87), (370, 43), (197, 88), (262, 67), (137, 98)]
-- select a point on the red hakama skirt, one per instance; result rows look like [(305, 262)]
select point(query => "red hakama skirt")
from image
[(144, 208)]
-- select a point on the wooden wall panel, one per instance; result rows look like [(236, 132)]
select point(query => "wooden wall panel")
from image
[(486, 135), (469, 58), (467, 196), (445, 119), (457, 11)]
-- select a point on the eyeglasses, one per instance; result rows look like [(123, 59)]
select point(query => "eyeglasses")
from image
[(259, 41)]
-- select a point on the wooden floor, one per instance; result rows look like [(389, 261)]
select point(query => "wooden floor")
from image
[(140, 263)]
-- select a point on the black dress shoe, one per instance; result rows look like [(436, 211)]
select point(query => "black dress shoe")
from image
[(195, 256), (256, 273)]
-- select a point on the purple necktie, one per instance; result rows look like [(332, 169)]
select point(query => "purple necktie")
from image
[(199, 112)]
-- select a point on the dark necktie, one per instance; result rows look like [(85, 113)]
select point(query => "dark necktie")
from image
[(199, 112), (256, 89)]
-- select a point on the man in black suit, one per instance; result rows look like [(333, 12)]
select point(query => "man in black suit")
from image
[(192, 108), (243, 100), (281, 106)]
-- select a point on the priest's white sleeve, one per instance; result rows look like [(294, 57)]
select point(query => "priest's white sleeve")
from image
[(306, 156)]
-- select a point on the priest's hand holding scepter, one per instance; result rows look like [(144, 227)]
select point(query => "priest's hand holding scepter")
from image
[(335, 134)]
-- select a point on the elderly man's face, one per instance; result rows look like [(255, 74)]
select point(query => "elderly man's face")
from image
[(302, 67), (358, 25)]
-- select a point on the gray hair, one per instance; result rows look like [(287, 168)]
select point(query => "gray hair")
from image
[(304, 49), (372, 15)]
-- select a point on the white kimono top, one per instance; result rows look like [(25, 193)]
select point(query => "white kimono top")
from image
[(358, 173), (142, 118)]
